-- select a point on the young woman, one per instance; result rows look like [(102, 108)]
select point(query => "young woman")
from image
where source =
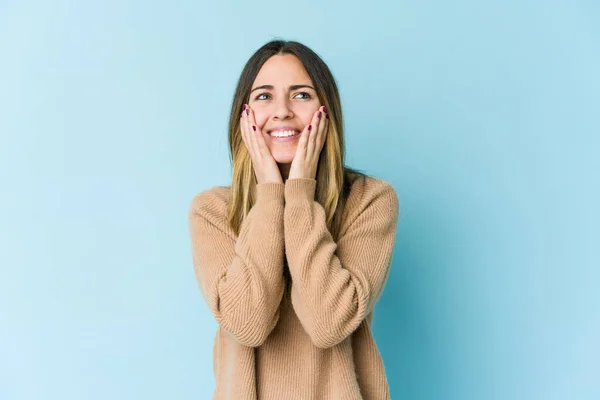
[(292, 257)]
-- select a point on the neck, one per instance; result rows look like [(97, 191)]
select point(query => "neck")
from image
[(284, 169)]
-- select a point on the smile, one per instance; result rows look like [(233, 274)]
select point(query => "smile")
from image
[(283, 134)]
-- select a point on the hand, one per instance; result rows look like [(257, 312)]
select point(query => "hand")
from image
[(265, 166), (310, 144)]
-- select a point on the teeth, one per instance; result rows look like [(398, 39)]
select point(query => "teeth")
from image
[(283, 133)]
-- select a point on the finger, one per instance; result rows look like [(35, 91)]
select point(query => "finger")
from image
[(311, 143), (243, 131), (250, 132), (322, 131), (303, 143), (257, 135)]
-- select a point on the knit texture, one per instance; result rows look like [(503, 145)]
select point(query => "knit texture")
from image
[(310, 339)]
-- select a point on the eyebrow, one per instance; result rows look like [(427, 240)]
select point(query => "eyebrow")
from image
[(271, 87)]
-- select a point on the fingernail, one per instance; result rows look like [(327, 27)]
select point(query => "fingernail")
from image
[(309, 127), (327, 116), (319, 114), (324, 109), (254, 128), (248, 111), (244, 107)]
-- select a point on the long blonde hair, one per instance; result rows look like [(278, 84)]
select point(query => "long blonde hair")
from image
[(333, 178)]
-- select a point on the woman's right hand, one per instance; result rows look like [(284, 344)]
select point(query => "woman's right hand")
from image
[(265, 166)]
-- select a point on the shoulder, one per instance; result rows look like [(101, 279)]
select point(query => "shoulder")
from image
[(372, 198), (213, 200), (366, 189)]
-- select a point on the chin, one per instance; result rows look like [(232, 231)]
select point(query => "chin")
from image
[(284, 157)]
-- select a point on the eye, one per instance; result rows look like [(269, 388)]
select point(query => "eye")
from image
[(308, 96), (262, 94)]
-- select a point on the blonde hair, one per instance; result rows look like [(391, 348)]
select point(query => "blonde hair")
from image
[(333, 178)]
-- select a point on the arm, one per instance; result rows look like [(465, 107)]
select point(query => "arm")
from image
[(240, 278), (336, 285)]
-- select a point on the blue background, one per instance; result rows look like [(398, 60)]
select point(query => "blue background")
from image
[(484, 116)]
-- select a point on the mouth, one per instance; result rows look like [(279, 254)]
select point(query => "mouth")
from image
[(284, 136)]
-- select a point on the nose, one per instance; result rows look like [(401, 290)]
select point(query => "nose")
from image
[(282, 109)]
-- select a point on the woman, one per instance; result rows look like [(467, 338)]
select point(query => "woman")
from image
[(292, 257)]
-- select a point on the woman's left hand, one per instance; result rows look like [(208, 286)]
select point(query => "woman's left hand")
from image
[(310, 144)]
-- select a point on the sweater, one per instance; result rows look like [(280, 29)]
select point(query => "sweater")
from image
[(294, 308)]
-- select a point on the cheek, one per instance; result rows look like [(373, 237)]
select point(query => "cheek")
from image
[(306, 113), (261, 118), (306, 119), (303, 112)]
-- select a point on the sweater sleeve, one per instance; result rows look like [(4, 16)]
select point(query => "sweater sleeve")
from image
[(336, 285), (241, 278)]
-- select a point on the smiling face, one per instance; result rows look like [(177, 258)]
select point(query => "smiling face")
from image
[(283, 98)]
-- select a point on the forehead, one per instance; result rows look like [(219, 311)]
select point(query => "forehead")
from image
[(282, 69)]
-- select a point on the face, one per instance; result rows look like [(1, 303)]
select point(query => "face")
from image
[(283, 97)]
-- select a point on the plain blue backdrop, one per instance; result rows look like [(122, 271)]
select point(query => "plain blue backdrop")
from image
[(484, 115)]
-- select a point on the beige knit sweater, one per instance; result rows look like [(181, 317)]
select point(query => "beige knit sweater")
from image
[(312, 339)]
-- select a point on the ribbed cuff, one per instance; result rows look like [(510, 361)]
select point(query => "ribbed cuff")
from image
[(270, 192), (300, 189)]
